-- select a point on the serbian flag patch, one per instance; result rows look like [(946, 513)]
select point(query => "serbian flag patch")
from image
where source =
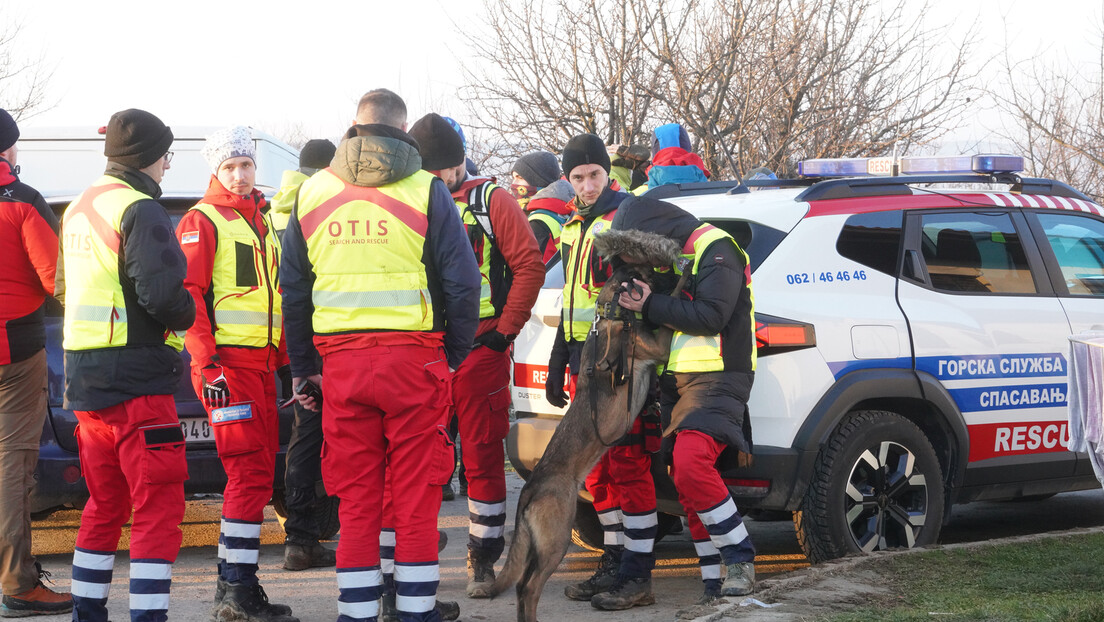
[(189, 237)]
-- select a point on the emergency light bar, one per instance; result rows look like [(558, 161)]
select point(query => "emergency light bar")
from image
[(912, 165)]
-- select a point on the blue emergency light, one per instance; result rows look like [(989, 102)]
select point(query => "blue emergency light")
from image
[(832, 167), (912, 165)]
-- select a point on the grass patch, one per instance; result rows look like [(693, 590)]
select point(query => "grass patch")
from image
[(1049, 580)]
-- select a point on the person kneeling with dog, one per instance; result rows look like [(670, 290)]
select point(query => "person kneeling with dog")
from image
[(707, 381)]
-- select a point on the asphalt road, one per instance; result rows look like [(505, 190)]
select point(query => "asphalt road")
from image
[(313, 593)]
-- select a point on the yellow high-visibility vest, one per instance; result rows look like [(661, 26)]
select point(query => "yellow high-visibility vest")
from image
[(244, 282), (580, 296), (695, 353), (95, 310), (366, 246)]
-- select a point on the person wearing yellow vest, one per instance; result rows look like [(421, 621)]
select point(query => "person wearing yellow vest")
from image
[(621, 483), (235, 343), (706, 383), (512, 273), (313, 157), (126, 311), (378, 277)]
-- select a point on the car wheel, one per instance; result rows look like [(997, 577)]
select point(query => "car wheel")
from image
[(876, 485), (324, 512), (587, 532)]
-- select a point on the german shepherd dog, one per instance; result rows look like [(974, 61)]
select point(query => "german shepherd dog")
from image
[(618, 362)]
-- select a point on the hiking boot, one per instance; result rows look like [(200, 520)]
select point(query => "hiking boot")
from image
[(626, 593), (303, 556), (481, 575), (601, 581), (447, 494), (740, 580), (463, 488), (37, 601), (442, 540), (220, 593), (249, 603), (448, 609)]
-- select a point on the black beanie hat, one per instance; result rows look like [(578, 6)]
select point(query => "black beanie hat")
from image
[(136, 138), (585, 149), (316, 155), (9, 131), (539, 168), (440, 145)]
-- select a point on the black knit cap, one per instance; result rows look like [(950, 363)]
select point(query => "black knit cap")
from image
[(539, 168), (136, 138), (584, 149), (441, 147), (316, 155), (9, 131)]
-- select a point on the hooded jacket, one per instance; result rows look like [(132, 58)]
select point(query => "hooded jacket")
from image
[(199, 247), (29, 235), (152, 269), (716, 300), (372, 156)]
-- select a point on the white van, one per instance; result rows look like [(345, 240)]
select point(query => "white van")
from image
[(63, 161)]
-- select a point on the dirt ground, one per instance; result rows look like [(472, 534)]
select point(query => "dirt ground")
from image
[(811, 593)]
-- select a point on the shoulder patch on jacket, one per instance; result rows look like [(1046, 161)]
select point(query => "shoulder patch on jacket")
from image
[(189, 237)]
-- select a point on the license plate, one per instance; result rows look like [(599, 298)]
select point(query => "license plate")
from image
[(196, 430)]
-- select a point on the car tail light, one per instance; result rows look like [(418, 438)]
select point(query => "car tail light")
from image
[(71, 474), (775, 334)]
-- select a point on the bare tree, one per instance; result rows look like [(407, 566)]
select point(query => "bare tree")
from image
[(1060, 109), (23, 78), (756, 83)]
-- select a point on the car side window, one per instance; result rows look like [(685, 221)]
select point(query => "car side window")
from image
[(872, 239), (976, 253), (1078, 245)]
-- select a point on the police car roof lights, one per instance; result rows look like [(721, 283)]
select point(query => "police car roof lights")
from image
[(911, 165), (962, 164)]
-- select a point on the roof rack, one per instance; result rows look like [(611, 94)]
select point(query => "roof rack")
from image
[(728, 186), (856, 187)]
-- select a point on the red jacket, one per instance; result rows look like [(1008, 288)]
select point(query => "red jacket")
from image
[(200, 251), (29, 237), (515, 241)]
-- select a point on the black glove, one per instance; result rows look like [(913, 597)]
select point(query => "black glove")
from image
[(216, 391), (496, 341), (554, 384), (284, 374)]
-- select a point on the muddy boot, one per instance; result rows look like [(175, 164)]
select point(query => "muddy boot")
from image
[(442, 540), (740, 580), (626, 593), (249, 603), (602, 579), (303, 556), (481, 574), (447, 493), (448, 609), (388, 612)]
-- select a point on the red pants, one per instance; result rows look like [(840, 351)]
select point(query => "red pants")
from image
[(481, 392), (132, 456), (386, 407), (623, 478), (710, 510), (247, 447)]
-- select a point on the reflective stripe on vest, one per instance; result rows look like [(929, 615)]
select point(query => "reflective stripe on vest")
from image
[(244, 281), (483, 249), (580, 295), (695, 353), (366, 246), (95, 309)]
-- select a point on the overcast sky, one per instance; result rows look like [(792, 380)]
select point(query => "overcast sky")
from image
[(279, 65)]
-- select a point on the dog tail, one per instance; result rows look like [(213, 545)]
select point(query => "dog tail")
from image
[(516, 560)]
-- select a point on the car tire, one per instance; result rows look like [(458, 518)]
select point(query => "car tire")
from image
[(325, 514), (587, 531), (876, 485)]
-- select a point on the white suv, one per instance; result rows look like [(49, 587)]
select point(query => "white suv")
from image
[(912, 333)]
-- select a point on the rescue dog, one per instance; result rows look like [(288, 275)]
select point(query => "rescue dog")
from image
[(618, 361)]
